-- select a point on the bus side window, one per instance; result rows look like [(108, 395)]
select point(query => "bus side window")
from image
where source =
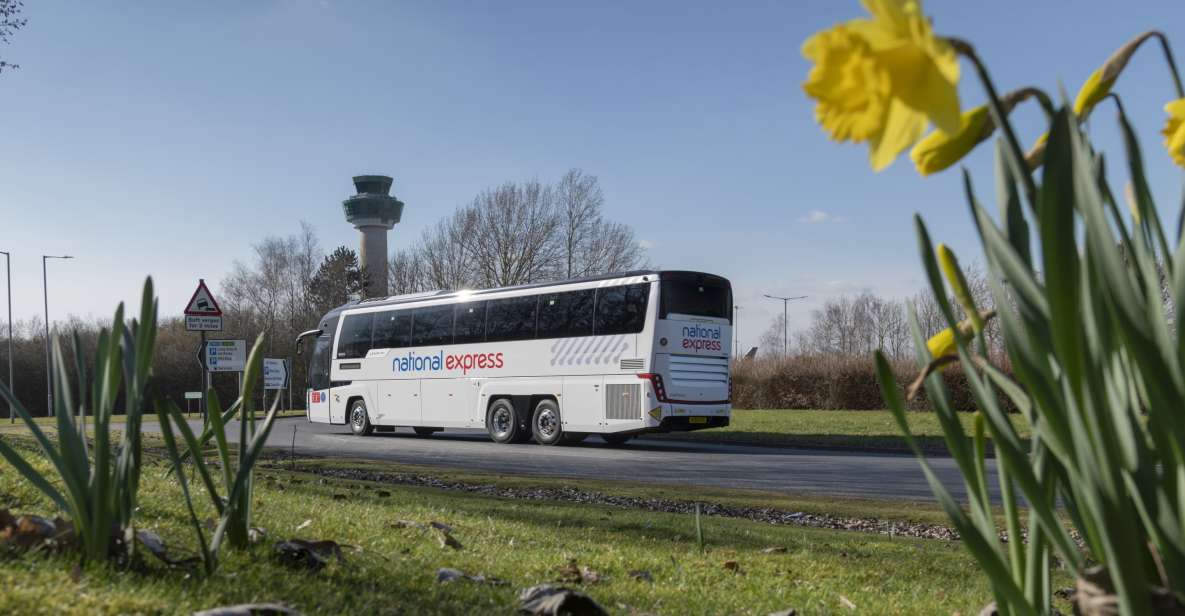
[(355, 337), (392, 329), (432, 326), (510, 319), (469, 322), (621, 310), (567, 314)]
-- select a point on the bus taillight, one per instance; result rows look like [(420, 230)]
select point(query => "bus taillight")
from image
[(656, 381)]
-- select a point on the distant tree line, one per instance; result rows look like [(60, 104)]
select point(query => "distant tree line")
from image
[(855, 325), (518, 232)]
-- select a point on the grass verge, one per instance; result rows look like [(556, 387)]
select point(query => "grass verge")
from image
[(393, 570), (873, 431)]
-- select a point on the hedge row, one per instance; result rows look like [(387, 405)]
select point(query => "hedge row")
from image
[(831, 383)]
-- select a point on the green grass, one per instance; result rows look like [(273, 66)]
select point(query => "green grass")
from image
[(392, 570), (861, 430)]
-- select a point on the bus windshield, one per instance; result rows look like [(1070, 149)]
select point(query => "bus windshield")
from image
[(696, 295)]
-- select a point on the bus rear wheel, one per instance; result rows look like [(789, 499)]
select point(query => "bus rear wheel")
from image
[(545, 423), (359, 419), (502, 422)]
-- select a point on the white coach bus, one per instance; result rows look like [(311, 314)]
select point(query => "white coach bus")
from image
[(614, 355)]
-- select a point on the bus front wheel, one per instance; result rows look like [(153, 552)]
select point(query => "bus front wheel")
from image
[(502, 422), (359, 419), (545, 423)]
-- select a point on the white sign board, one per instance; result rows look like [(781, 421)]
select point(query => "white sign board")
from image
[(203, 323), (193, 395), (275, 373), (226, 355)]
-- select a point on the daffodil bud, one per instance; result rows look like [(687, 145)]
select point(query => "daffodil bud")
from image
[(1098, 85), (940, 150), (958, 284)]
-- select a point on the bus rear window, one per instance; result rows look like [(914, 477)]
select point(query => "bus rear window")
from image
[(696, 298)]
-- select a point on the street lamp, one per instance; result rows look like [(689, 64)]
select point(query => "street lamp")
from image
[(785, 320), (8, 278), (736, 331), (48, 360)]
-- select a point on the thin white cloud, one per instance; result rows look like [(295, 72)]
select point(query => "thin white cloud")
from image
[(645, 244), (815, 217)]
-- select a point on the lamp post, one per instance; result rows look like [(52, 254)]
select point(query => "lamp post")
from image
[(736, 332), (8, 279), (48, 359), (785, 320)]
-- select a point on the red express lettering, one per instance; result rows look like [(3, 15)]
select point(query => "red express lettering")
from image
[(699, 344), (469, 361)]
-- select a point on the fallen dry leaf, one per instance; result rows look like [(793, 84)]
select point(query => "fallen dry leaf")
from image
[(156, 546), (447, 540), (445, 575), (303, 525), (847, 602), (732, 565), (548, 600), (312, 555), (642, 576), (250, 609)]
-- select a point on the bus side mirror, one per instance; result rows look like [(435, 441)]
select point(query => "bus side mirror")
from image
[(303, 335)]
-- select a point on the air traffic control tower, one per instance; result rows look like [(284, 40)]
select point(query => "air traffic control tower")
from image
[(373, 212)]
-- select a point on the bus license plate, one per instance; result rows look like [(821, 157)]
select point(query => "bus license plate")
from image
[(697, 420)]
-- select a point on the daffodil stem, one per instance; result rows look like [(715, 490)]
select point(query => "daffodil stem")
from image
[(1001, 118), (1037, 93), (1168, 57)]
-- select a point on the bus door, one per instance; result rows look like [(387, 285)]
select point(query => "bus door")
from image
[(318, 392)]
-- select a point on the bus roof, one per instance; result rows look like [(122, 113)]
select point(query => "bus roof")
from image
[(395, 300)]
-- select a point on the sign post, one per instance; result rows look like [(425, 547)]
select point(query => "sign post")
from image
[(202, 314)]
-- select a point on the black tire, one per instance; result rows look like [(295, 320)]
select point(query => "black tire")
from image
[(617, 440), (546, 426), (360, 419), (502, 422), (422, 431), (572, 438)]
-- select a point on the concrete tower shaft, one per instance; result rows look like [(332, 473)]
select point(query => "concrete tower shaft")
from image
[(373, 212)]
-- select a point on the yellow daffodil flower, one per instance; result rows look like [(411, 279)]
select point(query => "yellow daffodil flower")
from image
[(881, 80), (851, 89), (940, 150), (1174, 131), (942, 343)]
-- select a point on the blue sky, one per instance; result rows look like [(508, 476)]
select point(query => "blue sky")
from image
[(164, 138)]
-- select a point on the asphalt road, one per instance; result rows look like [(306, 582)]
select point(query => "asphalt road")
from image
[(799, 471)]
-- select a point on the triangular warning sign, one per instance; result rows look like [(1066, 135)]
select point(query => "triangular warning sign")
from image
[(202, 303)]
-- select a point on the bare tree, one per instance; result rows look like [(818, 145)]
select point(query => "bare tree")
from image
[(10, 22), (407, 272), (515, 239), (772, 341)]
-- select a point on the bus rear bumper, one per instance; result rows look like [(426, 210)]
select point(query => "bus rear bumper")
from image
[(685, 423)]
